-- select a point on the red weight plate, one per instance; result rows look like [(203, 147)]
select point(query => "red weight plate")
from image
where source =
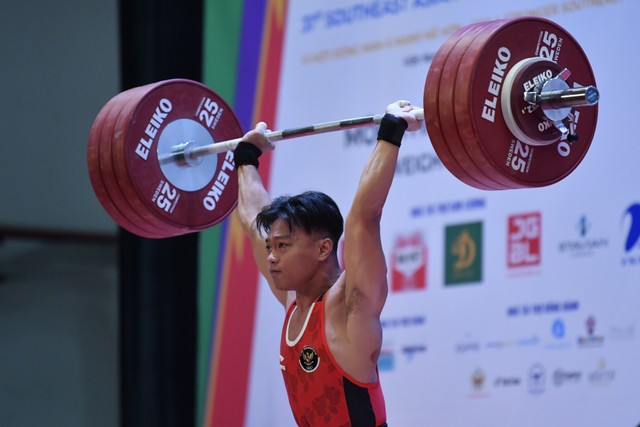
[(479, 111), (432, 118), (130, 201), (171, 113), (470, 141), (95, 174), (107, 143), (447, 113)]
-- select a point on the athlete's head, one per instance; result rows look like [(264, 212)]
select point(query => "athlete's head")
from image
[(313, 212)]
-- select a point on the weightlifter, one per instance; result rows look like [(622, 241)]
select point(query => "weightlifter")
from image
[(332, 336)]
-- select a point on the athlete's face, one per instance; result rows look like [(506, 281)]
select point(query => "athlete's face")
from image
[(293, 256)]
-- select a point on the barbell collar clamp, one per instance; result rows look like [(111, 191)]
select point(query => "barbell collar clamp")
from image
[(183, 155)]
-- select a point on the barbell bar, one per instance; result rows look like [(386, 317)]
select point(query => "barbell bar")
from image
[(502, 104), (187, 154)]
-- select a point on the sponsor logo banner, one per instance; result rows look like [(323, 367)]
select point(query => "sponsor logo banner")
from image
[(463, 254)]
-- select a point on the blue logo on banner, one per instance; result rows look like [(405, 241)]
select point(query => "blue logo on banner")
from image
[(559, 333), (542, 308), (449, 207), (557, 329), (403, 322), (634, 230), (410, 351), (583, 246), (386, 361), (583, 225), (633, 236), (537, 376)]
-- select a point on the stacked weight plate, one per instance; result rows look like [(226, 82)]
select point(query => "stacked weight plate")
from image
[(479, 123), (136, 180), (463, 104)]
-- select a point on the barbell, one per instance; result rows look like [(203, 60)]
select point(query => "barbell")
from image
[(503, 106)]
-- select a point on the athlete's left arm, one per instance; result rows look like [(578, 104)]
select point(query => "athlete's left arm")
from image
[(365, 266)]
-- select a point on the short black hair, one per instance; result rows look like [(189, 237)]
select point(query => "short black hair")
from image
[(312, 211)]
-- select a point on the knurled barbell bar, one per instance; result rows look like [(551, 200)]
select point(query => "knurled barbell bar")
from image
[(502, 106)]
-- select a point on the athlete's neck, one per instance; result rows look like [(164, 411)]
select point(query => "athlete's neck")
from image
[(324, 281)]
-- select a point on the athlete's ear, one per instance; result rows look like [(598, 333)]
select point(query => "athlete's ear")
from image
[(325, 247)]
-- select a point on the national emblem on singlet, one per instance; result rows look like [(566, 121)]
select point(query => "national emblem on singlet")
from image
[(309, 359)]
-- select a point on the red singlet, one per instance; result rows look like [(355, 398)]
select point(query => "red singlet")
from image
[(320, 392)]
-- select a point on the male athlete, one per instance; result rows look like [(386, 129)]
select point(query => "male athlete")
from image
[(332, 335)]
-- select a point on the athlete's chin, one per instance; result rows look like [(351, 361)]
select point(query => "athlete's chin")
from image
[(279, 284), (282, 287)]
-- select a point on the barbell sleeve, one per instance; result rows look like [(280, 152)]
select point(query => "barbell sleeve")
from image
[(565, 98), (572, 97)]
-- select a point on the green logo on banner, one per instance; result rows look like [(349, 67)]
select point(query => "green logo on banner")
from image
[(463, 254)]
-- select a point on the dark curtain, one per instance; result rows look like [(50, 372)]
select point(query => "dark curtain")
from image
[(159, 39)]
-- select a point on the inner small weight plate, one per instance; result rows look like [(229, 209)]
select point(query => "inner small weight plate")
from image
[(526, 122), (195, 174)]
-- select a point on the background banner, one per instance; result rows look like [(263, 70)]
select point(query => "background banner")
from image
[(514, 307)]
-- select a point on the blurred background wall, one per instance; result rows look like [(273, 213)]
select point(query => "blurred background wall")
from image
[(58, 287), (60, 64), (96, 325)]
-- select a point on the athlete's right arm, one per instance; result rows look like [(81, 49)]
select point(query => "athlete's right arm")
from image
[(252, 197)]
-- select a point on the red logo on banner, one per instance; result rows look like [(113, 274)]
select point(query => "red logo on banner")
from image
[(409, 264), (523, 241)]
